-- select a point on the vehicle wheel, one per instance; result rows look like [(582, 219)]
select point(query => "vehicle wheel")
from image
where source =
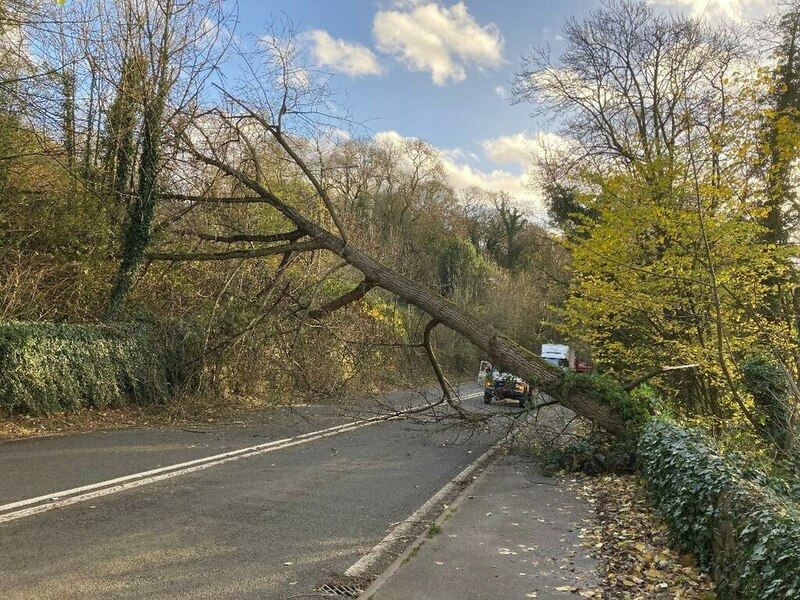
[(487, 397), (522, 402)]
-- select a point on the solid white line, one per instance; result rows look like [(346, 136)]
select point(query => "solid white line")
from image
[(119, 484), (26, 512), (109, 482), (366, 562)]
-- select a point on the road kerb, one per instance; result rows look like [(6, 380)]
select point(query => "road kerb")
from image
[(423, 537)]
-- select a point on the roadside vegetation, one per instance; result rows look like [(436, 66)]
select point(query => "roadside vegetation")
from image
[(91, 140), (634, 548)]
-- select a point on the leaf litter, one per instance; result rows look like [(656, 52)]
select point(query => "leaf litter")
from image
[(632, 546)]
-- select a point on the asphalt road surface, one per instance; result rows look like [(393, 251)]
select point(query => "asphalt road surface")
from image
[(110, 515)]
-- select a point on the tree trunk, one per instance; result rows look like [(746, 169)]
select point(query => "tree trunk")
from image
[(497, 346)]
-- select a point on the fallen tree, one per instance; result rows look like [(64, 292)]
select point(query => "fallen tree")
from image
[(221, 141), (497, 346)]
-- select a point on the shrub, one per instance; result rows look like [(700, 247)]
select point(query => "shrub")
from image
[(746, 535), (49, 367)]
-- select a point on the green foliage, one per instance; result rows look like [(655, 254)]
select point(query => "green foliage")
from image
[(49, 367), (565, 210), (685, 479), (460, 270), (746, 535), (767, 383), (641, 298), (633, 408)]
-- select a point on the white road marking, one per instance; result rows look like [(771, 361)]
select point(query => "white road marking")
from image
[(366, 562), (62, 498)]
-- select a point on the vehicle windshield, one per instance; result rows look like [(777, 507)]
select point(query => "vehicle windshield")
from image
[(558, 362)]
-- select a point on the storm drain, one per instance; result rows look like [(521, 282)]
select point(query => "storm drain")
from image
[(343, 587)]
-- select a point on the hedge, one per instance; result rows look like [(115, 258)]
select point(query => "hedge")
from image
[(745, 535), (51, 367)]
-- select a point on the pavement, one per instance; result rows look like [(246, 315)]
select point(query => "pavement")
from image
[(512, 534)]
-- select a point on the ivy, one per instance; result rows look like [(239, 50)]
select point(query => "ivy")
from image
[(746, 535), (50, 367), (634, 409)]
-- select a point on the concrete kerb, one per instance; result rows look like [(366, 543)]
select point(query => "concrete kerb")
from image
[(414, 547)]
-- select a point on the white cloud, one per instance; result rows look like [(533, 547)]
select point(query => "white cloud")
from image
[(514, 148), (439, 40), (459, 154), (389, 137), (462, 174), (349, 58), (501, 91), (521, 149), (735, 10)]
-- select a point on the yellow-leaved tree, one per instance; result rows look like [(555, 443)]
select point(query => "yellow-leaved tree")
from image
[(671, 189)]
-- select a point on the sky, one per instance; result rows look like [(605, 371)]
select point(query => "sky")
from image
[(442, 70)]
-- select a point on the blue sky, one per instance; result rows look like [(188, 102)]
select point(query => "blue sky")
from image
[(441, 70)]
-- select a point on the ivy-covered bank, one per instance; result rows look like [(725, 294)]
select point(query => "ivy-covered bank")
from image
[(747, 536), (49, 367)]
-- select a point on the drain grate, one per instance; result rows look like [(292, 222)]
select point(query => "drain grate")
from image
[(339, 591), (343, 587)]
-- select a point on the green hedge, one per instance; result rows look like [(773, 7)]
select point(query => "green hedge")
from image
[(50, 367), (746, 535)]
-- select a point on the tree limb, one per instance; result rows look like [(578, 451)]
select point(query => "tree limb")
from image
[(291, 236), (234, 254), (353, 295), (655, 373), (447, 393), (220, 200)]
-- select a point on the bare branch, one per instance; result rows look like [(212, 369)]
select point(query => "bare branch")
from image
[(275, 131), (447, 392), (222, 200), (290, 236), (655, 373), (234, 254), (353, 295)]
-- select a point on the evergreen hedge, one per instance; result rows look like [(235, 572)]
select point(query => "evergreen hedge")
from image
[(51, 367), (747, 536)]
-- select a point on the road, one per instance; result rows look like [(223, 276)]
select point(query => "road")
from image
[(271, 522)]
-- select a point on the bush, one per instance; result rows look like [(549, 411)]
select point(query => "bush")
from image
[(746, 535), (49, 367)]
